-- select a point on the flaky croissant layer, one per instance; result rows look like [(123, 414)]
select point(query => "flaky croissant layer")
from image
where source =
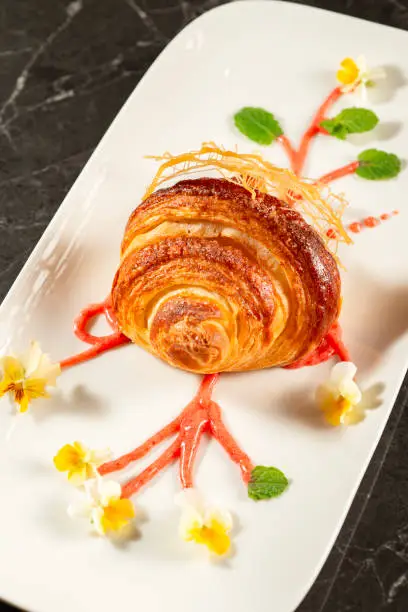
[(213, 280)]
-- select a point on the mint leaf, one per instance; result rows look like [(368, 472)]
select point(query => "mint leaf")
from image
[(378, 165), (257, 124), (335, 128), (350, 121), (266, 482)]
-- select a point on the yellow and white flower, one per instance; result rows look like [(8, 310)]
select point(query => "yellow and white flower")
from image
[(209, 526), (80, 462), (103, 505), (339, 396), (354, 75), (26, 378)]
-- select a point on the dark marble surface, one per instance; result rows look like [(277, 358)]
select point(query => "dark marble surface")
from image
[(65, 70)]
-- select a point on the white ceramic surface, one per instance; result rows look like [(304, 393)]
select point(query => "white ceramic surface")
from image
[(282, 57)]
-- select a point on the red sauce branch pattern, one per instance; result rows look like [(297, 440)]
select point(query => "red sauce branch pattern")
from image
[(339, 173), (201, 415), (314, 129)]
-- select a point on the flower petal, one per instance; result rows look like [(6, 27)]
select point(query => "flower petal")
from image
[(376, 74), (77, 476), (12, 369), (348, 73), (125, 508), (346, 408), (35, 388), (190, 521), (108, 490), (91, 488), (4, 386), (67, 458), (213, 537), (361, 64), (23, 402), (349, 64), (353, 416), (47, 371), (97, 515), (97, 457), (217, 542), (80, 449), (351, 391), (345, 370), (31, 358), (335, 416), (218, 518), (362, 90), (117, 515)]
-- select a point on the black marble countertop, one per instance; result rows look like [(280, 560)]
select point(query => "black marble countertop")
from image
[(66, 68)]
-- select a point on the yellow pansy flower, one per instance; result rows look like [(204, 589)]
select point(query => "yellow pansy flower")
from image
[(355, 75), (26, 378), (103, 505), (339, 396), (204, 525), (80, 462), (348, 73)]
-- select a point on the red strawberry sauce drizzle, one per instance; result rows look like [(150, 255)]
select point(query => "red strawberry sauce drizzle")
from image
[(99, 344), (331, 345), (339, 173), (203, 415), (299, 156)]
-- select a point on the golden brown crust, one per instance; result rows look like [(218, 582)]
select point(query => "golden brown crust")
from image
[(212, 279)]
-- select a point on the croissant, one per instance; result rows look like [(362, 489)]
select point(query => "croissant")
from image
[(212, 279)]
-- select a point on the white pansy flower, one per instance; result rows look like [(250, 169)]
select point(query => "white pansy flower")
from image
[(340, 394), (354, 75), (103, 506), (204, 524)]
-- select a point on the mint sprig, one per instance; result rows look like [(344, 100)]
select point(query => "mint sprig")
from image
[(350, 121), (378, 165), (266, 482), (258, 125)]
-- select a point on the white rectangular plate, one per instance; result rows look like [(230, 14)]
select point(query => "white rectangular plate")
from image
[(282, 57)]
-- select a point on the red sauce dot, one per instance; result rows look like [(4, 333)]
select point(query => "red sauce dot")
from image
[(355, 227), (395, 212), (331, 233), (371, 222), (385, 216)]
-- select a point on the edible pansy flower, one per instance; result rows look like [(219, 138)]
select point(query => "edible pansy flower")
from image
[(26, 378), (80, 462), (339, 396), (355, 75), (104, 507), (209, 526)]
